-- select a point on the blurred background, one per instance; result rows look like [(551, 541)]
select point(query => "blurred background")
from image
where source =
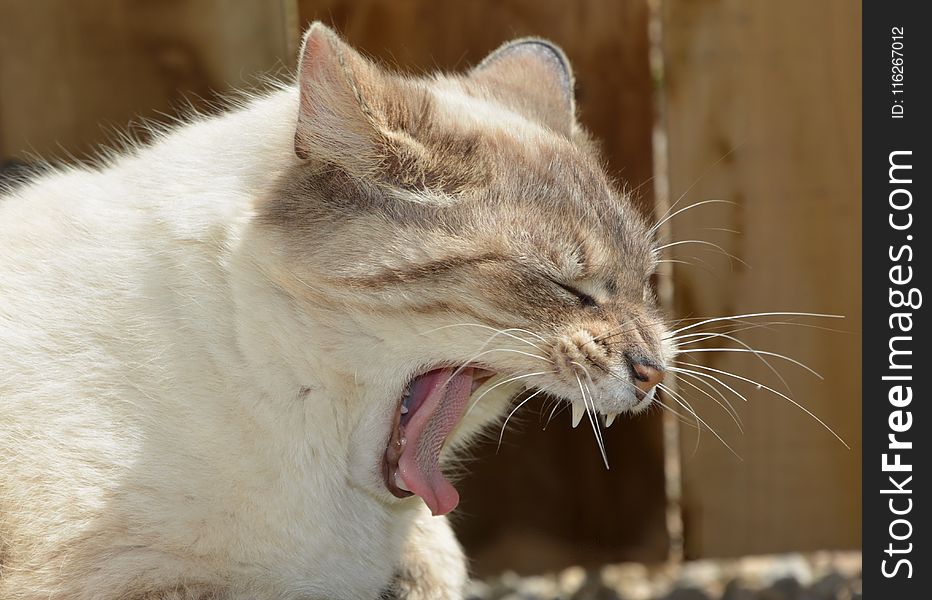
[(752, 102)]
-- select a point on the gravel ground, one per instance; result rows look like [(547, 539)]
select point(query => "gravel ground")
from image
[(821, 576)]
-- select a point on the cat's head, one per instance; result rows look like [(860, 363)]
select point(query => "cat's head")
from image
[(453, 227)]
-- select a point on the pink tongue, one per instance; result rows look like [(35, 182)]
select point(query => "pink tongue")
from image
[(438, 400)]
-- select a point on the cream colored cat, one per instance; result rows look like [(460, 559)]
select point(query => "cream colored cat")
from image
[(226, 357)]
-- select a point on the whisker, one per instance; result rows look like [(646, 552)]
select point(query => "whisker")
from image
[(751, 315), (625, 327), (726, 406), (686, 405), (558, 406), (707, 376), (497, 332), (696, 182), (499, 384), (530, 333), (594, 418), (703, 243), (681, 418), (730, 327), (483, 353), (702, 336), (756, 352), (725, 229), (666, 218), (501, 436), (701, 420), (782, 395), (769, 325), (748, 325), (739, 321), (597, 431), (708, 385), (521, 352), (640, 185), (592, 421)]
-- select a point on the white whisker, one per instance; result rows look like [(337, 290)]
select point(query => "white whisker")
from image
[(483, 352), (756, 352), (588, 378), (681, 402), (680, 417), (666, 218), (558, 405), (692, 185), (703, 243), (686, 405), (506, 332), (707, 376), (625, 327), (594, 419), (499, 384), (591, 420), (751, 315), (726, 406), (778, 393), (769, 325), (508, 418)]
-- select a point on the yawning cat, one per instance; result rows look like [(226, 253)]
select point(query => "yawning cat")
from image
[(234, 361)]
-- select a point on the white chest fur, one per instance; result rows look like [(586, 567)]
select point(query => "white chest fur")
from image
[(146, 417)]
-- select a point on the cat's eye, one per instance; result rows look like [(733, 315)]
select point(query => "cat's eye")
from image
[(584, 299)]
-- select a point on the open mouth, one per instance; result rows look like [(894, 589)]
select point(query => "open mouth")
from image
[(430, 409)]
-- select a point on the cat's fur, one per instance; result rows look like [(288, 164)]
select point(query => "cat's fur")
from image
[(202, 344)]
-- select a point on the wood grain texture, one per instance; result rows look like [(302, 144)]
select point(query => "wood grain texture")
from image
[(545, 501), (763, 110), (71, 73)]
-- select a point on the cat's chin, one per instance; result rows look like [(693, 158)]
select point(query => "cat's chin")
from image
[(430, 409)]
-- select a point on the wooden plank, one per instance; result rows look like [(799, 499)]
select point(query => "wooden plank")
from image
[(67, 68), (545, 501), (763, 110)]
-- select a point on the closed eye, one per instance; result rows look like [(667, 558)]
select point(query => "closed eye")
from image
[(584, 299)]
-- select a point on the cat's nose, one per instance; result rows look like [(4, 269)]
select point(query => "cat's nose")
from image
[(646, 375)]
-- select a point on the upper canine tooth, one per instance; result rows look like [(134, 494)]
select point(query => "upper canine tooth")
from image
[(578, 411), (609, 419), (400, 483)]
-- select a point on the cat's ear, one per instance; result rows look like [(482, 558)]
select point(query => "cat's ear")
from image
[(534, 77), (335, 123)]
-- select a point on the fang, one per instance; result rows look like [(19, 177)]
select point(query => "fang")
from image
[(578, 412), (399, 482)]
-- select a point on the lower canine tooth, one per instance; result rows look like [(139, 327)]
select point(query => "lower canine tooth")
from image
[(399, 482), (404, 409), (609, 419), (578, 411)]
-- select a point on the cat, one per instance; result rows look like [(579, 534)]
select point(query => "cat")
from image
[(235, 359)]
